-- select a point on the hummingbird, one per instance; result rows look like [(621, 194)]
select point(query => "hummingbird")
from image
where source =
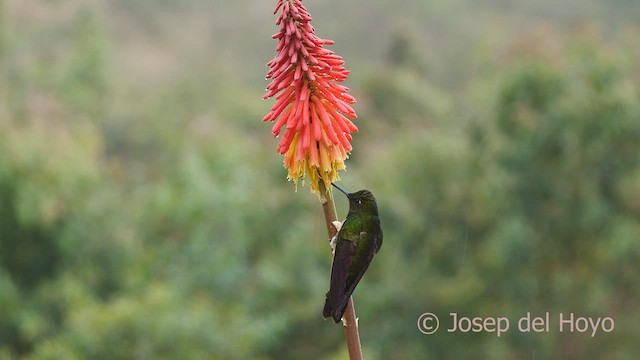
[(358, 239)]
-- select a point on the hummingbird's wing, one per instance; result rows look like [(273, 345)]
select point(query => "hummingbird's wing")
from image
[(342, 260), (345, 275), (378, 241)]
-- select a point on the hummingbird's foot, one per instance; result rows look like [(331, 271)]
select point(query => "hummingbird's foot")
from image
[(332, 244), (334, 240), (344, 322)]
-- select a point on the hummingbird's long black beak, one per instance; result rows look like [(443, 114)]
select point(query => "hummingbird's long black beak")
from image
[(341, 189)]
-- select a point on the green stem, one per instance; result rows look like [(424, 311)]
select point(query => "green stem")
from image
[(350, 319)]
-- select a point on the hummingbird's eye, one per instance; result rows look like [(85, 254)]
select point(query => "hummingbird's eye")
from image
[(359, 201)]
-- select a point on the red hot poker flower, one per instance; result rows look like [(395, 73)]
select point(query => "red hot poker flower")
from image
[(310, 103)]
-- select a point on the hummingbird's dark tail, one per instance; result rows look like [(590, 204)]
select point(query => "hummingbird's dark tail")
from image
[(330, 312), (326, 312)]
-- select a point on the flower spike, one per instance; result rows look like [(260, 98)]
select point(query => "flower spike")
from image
[(311, 105)]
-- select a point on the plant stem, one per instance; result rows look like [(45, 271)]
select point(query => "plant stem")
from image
[(350, 319)]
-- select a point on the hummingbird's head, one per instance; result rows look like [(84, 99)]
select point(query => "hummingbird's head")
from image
[(360, 201)]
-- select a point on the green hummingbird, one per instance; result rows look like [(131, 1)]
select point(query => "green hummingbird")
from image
[(358, 239)]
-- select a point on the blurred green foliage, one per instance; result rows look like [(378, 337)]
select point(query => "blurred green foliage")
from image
[(145, 214)]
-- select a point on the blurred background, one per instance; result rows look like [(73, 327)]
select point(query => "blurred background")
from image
[(145, 214)]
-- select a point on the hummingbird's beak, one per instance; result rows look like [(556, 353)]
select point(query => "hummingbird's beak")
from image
[(341, 189)]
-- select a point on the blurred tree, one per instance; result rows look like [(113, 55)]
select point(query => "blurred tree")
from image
[(86, 80), (531, 220), (3, 31), (44, 169), (162, 229)]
